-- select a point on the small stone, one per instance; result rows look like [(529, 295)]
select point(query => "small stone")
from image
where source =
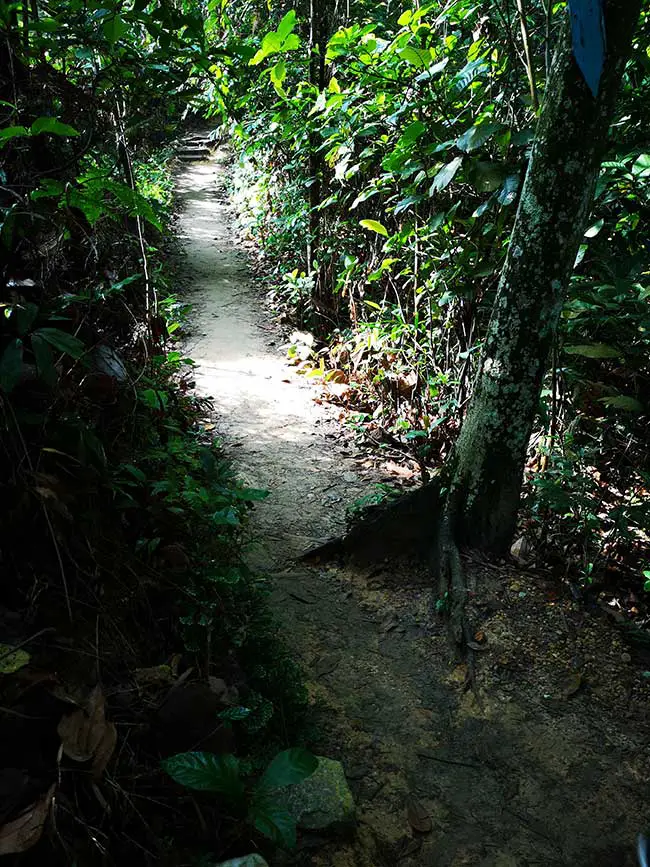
[(625, 657), (323, 800)]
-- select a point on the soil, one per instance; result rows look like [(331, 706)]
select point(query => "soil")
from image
[(545, 760)]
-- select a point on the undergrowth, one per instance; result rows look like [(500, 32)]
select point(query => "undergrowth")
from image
[(415, 135), (132, 629)]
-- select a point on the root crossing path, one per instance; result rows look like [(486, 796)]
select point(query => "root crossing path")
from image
[(544, 763)]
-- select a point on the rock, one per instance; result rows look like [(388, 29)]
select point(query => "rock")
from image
[(246, 861), (322, 801)]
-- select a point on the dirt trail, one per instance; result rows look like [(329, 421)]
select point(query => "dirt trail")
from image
[(522, 771)]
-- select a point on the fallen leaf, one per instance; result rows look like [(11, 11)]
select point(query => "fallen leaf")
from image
[(25, 831), (104, 751), (336, 375), (417, 815), (82, 732)]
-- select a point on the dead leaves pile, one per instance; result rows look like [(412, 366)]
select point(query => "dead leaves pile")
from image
[(86, 736)]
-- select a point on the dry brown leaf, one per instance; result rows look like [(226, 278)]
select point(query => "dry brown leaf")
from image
[(105, 750), (82, 731), (336, 375), (25, 831), (417, 815)]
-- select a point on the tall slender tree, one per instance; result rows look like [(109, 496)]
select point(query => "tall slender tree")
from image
[(483, 476)]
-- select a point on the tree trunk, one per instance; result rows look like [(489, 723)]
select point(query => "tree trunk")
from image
[(486, 466)]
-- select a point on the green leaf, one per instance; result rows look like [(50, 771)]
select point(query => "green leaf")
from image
[(446, 175), (207, 772), (10, 132), (486, 176), (508, 192), (289, 767), (12, 660), (11, 365), (641, 166), (467, 74), (114, 28), (476, 136), (44, 360), (234, 714), (621, 401), (251, 495), (374, 226), (62, 341), (433, 70), (285, 27), (412, 132), (279, 73), (272, 819), (419, 57), (593, 350), (226, 517), (593, 230), (53, 126)]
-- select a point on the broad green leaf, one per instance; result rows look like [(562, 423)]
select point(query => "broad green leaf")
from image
[(641, 166), (433, 70), (234, 714), (207, 772), (289, 767), (12, 660), (10, 132), (476, 136), (285, 27), (62, 341), (226, 517), (467, 74), (273, 820), (374, 226), (11, 365), (419, 57), (251, 495), (593, 230), (412, 132), (53, 126), (593, 350), (487, 176), (621, 401), (508, 192), (446, 175), (44, 360), (278, 73), (114, 28)]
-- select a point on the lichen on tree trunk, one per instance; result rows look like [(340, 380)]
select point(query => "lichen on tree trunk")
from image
[(487, 463)]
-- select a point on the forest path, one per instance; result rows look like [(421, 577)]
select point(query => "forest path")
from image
[(506, 777)]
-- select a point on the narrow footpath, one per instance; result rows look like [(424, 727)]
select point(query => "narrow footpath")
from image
[(521, 771)]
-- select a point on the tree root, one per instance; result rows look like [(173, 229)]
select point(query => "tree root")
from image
[(408, 526)]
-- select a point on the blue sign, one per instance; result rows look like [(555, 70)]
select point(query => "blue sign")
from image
[(588, 32)]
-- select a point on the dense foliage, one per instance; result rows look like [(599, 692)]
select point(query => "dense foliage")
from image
[(123, 580), (415, 135), (391, 141)]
